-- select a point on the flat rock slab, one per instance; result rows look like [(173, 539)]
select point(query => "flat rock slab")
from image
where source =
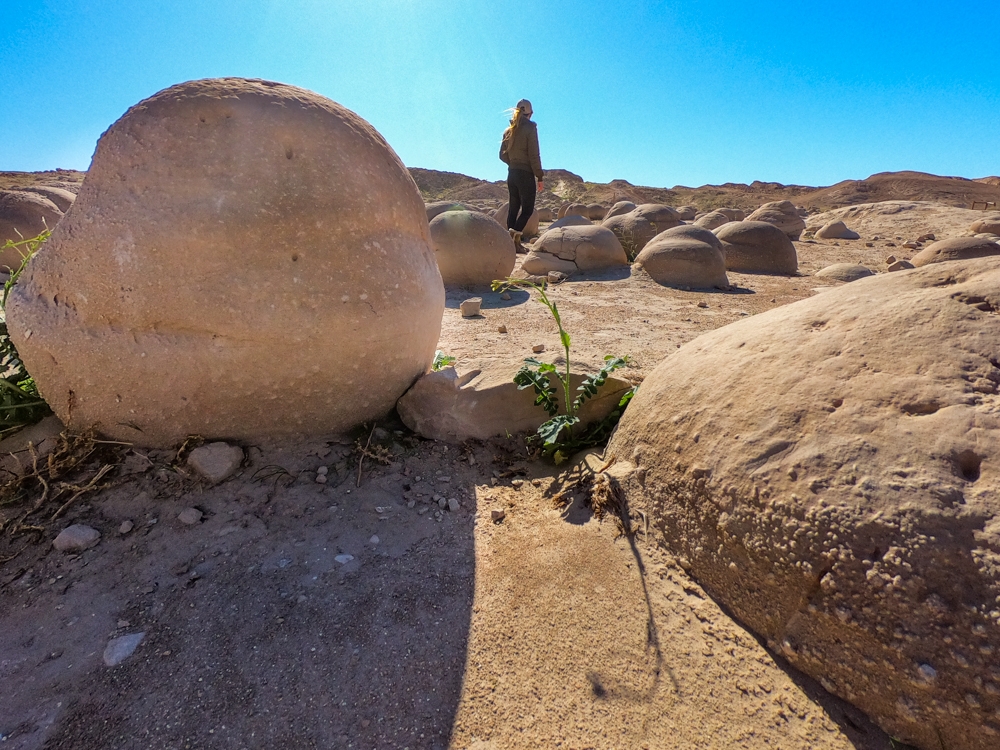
[(121, 648), (216, 462)]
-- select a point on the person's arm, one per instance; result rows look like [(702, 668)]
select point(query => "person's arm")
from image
[(535, 157), (504, 143)]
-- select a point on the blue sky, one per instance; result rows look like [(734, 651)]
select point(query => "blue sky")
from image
[(657, 93)]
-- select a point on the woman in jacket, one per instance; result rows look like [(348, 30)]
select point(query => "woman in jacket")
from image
[(519, 150)]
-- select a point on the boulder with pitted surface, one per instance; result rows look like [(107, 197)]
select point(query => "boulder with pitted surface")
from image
[(471, 248), (782, 214), (684, 256), (574, 248), (757, 247), (23, 215), (234, 244)]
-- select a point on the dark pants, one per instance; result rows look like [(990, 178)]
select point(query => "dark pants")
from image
[(521, 187)]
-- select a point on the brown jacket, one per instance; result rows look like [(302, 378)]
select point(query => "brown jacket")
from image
[(520, 150)]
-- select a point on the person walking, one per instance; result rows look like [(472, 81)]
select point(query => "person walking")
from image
[(519, 151)]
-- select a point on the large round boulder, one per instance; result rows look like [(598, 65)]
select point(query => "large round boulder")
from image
[(471, 248), (989, 225), (687, 213), (439, 207), (663, 216), (844, 272), (61, 197), (570, 221), (757, 247), (595, 211), (640, 225), (957, 248), (836, 230), (244, 259), (577, 209), (734, 214), (23, 215), (685, 256), (621, 207), (827, 470), (713, 220), (574, 248), (782, 214), (530, 229)]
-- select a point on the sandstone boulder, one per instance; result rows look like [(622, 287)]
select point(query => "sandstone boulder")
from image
[(757, 247), (570, 221), (989, 225), (685, 256), (687, 213), (845, 272), (713, 220), (640, 225), (471, 248), (23, 215), (439, 207), (483, 402), (957, 248), (828, 471), (530, 229), (61, 197), (545, 214), (621, 207), (244, 259), (836, 230), (734, 214), (574, 248), (663, 216), (595, 211), (781, 214), (577, 209)]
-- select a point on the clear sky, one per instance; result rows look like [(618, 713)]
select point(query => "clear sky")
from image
[(657, 93)]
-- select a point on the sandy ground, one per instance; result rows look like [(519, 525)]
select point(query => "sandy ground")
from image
[(445, 630)]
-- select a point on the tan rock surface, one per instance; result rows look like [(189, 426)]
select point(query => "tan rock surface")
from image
[(23, 215), (755, 247), (846, 508), (439, 207), (844, 272), (956, 248), (530, 229), (836, 230), (989, 225), (588, 248), (713, 220), (687, 256), (196, 303), (619, 208), (471, 248), (782, 214)]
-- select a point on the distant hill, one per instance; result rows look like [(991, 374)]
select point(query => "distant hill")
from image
[(562, 185)]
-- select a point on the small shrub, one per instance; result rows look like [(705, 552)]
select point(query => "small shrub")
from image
[(559, 436), (442, 360)]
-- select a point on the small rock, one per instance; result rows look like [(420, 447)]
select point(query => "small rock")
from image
[(911, 245), (538, 348), (411, 503), (76, 538), (926, 238), (445, 479), (890, 244), (516, 483), (422, 510), (554, 277), (121, 648), (126, 527), (869, 244), (498, 515), (123, 623), (321, 479), (505, 296), (702, 304), (890, 260), (374, 539), (323, 470), (536, 482), (442, 503), (501, 329), (470, 307), (216, 461), (453, 504), (900, 265), (344, 559), (190, 516)]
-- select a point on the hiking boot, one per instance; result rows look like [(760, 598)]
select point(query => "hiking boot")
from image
[(516, 236)]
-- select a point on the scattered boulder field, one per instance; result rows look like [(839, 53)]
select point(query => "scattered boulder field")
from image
[(825, 469)]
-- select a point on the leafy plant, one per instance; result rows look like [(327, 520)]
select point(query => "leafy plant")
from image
[(20, 403), (442, 360), (556, 436)]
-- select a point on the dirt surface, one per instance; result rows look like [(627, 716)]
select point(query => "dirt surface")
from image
[(545, 629)]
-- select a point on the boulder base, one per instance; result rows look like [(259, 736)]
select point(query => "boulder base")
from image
[(957, 248), (828, 471), (757, 247)]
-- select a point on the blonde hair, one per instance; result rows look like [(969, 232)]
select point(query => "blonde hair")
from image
[(517, 114)]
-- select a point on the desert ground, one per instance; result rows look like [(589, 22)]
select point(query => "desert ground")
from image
[(357, 613)]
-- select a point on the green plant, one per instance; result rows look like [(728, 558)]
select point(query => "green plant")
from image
[(442, 360), (556, 436), (20, 403)]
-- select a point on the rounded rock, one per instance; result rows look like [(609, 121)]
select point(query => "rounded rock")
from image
[(713, 220), (844, 272), (957, 248), (836, 230), (23, 215), (471, 248), (575, 248), (782, 214), (225, 226), (687, 256), (757, 247), (619, 208)]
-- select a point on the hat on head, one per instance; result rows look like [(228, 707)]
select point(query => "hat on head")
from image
[(524, 105)]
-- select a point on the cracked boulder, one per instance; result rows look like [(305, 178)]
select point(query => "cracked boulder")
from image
[(570, 249), (830, 472), (245, 259), (482, 401), (782, 214), (641, 224)]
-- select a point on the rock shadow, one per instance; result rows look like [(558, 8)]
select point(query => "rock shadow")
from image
[(454, 296)]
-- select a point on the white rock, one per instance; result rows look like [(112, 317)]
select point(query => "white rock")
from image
[(374, 539), (344, 559), (121, 648), (126, 527), (470, 307), (216, 461), (453, 504), (76, 538)]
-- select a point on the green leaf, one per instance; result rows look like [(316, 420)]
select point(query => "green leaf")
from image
[(592, 383), (549, 431), (564, 337), (442, 360), (544, 390)]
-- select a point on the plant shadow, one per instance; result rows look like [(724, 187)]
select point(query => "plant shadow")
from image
[(454, 296)]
